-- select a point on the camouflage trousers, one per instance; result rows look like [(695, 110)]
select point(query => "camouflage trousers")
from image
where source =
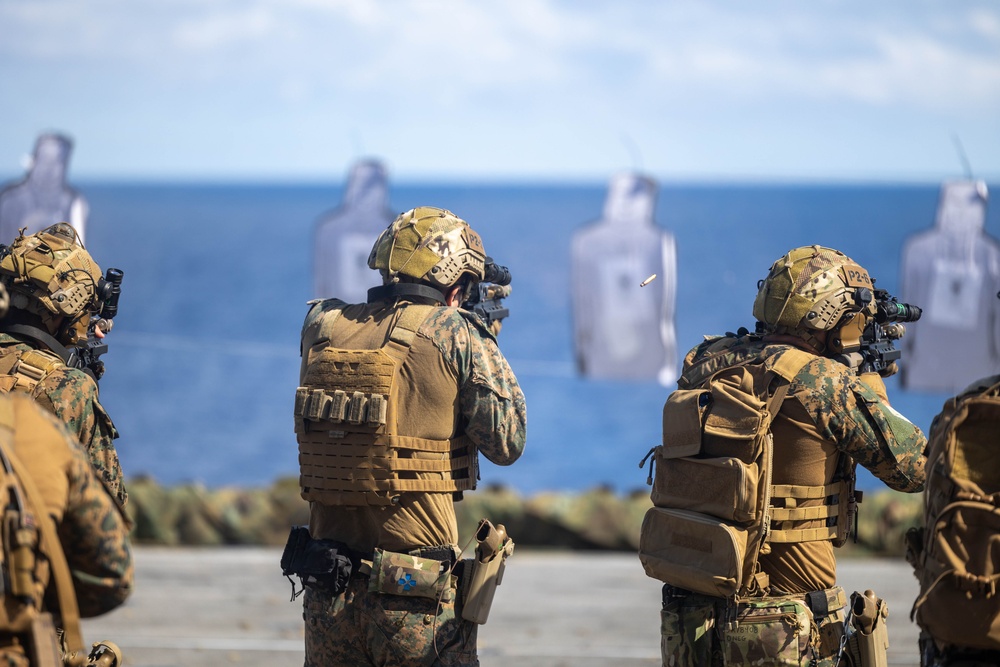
[(358, 628), (701, 631)]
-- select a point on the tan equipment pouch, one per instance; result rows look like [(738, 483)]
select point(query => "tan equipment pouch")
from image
[(485, 571), (692, 551), (403, 574)]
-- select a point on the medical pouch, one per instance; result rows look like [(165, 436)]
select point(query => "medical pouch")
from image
[(403, 574), (693, 551), (769, 631)]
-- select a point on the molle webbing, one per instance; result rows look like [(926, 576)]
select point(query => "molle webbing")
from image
[(29, 369), (785, 510), (346, 423)]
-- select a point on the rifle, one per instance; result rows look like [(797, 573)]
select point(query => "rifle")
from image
[(486, 299), (86, 356), (877, 350)]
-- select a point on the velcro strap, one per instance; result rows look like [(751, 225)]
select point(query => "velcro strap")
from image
[(826, 602)]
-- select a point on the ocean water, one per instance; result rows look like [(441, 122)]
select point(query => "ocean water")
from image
[(204, 356)]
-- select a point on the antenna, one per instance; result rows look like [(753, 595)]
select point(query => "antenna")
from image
[(962, 156), (633, 151)]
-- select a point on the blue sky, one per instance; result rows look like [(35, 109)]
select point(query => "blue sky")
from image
[(557, 90)]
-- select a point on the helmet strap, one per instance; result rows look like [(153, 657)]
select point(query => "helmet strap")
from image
[(396, 290)]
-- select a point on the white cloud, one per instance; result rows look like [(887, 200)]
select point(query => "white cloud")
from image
[(528, 70), (221, 30)]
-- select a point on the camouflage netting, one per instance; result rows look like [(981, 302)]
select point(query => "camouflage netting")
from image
[(598, 519)]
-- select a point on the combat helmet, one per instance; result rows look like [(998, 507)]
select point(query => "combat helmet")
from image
[(430, 245), (52, 276), (813, 288)]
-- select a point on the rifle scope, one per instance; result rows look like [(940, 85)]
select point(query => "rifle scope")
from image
[(890, 310), (494, 273), (109, 289)]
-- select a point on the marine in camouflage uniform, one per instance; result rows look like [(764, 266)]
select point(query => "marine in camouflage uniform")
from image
[(63, 530), (39, 332), (452, 385), (829, 411)]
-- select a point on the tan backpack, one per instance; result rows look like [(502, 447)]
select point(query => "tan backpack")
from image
[(715, 507), (956, 556)]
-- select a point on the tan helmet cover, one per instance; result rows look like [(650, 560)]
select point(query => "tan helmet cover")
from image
[(811, 287), (51, 275), (429, 244)]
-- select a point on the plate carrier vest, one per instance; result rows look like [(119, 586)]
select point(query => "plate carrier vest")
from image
[(350, 449), (715, 507)]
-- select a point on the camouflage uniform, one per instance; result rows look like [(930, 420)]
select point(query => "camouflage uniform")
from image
[(358, 627), (89, 523), (72, 396), (828, 410)]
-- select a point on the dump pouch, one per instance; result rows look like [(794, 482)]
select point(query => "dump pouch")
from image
[(485, 572), (403, 574), (322, 563)]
